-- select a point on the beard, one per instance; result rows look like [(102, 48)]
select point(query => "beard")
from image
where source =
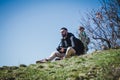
[(64, 35)]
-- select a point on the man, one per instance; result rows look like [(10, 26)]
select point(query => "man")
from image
[(84, 38), (68, 47)]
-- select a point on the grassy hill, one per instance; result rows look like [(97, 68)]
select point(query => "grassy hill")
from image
[(102, 65)]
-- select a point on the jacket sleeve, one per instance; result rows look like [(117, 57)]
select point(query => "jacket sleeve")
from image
[(72, 41), (62, 44)]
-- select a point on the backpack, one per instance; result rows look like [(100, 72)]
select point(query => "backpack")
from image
[(79, 46)]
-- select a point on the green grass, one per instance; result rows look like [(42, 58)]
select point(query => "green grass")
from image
[(102, 65)]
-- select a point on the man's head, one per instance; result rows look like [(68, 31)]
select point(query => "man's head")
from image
[(81, 28), (64, 31)]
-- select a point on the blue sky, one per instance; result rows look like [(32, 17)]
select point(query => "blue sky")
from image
[(29, 29)]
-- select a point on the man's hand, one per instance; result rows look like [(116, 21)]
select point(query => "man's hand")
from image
[(62, 50)]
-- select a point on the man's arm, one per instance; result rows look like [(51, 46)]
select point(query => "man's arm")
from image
[(61, 47)]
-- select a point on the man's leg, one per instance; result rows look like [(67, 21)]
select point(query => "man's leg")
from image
[(85, 48), (52, 56), (55, 54), (70, 51)]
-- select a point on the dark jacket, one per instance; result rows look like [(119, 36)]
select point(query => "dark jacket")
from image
[(72, 41)]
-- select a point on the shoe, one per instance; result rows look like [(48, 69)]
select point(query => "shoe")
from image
[(57, 59), (42, 61)]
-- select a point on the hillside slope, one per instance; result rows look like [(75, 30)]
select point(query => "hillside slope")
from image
[(102, 65)]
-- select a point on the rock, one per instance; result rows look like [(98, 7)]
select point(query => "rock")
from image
[(5, 67), (13, 67), (23, 65), (1, 68)]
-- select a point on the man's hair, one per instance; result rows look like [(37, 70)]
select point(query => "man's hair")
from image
[(63, 28), (81, 28)]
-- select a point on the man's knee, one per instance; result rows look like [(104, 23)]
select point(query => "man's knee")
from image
[(54, 53), (69, 48), (70, 52), (58, 54)]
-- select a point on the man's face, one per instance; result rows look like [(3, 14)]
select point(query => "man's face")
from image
[(63, 33), (81, 30)]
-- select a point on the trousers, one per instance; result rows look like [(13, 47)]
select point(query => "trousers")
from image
[(69, 52)]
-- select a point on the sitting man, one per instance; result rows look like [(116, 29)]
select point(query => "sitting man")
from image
[(68, 47)]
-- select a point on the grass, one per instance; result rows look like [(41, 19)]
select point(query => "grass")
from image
[(102, 65)]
